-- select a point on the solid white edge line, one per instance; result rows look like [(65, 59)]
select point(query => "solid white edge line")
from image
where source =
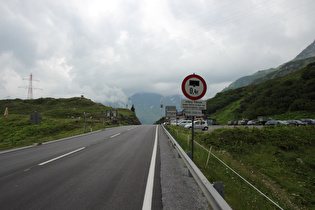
[(69, 153), (147, 202)]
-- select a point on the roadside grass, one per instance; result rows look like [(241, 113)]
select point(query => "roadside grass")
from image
[(62, 118), (17, 131), (279, 161)]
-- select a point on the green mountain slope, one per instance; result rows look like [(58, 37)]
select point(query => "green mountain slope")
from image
[(246, 80), (292, 93), (284, 69), (60, 118)]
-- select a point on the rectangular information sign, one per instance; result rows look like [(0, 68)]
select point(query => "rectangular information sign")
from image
[(170, 111), (193, 113), (193, 105)]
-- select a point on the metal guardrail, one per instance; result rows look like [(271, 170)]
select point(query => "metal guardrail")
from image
[(214, 198)]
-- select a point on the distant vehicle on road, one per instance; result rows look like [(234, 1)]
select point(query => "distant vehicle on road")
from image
[(200, 124)]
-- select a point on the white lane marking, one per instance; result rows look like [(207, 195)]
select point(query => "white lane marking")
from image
[(69, 153), (115, 135), (147, 202)]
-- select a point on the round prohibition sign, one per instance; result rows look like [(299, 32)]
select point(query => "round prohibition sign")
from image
[(194, 87)]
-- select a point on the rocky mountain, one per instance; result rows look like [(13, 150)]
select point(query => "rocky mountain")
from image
[(301, 60), (148, 105), (307, 52)]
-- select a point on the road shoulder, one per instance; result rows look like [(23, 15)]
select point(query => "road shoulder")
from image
[(179, 190)]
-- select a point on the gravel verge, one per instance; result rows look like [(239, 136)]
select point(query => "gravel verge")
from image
[(179, 190)]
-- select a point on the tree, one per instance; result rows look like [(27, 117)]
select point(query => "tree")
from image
[(133, 108)]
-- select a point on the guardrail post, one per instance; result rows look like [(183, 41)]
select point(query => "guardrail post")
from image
[(219, 187)]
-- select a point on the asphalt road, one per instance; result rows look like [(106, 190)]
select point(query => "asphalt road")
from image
[(101, 170)]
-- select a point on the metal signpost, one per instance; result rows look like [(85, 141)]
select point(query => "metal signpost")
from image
[(194, 88), (35, 119)]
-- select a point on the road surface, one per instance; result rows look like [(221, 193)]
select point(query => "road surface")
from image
[(118, 168), (103, 170)]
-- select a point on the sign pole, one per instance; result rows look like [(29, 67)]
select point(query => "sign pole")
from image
[(192, 139), (36, 134), (35, 119)]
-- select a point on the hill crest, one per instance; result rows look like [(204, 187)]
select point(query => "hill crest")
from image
[(301, 60)]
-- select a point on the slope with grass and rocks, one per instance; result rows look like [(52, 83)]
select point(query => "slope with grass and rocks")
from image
[(60, 118)]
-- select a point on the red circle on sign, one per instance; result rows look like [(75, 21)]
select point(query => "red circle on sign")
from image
[(203, 91)]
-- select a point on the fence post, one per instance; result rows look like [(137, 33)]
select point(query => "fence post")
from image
[(209, 155)]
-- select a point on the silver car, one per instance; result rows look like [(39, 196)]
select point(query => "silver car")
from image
[(184, 122), (198, 125)]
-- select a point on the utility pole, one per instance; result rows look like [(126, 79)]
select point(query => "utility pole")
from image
[(30, 87)]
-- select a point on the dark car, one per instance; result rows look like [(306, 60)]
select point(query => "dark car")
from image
[(308, 121), (231, 123)]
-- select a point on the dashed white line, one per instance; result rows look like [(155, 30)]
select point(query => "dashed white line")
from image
[(115, 135), (69, 153)]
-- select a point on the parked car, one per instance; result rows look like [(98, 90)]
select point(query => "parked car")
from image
[(283, 122), (231, 123), (251, 122), (308, 121), (243, 122), (200, 124), (184, 122), (174, 122), (273, 122), (296, 122)]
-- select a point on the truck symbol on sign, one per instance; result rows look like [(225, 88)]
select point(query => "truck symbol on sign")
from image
[(193, 83)]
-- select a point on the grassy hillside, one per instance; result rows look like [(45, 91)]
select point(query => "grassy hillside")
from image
[(246, 80), (61, 118), (278, 160), (284, 69), (291, 95)]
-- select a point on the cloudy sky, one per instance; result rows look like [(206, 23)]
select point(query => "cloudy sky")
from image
[(109, 50)]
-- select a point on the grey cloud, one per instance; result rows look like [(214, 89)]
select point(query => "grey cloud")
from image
[(110, 50)]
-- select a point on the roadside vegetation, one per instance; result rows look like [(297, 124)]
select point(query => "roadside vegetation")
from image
[(60, 118), (292, 94), (278, 160)]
